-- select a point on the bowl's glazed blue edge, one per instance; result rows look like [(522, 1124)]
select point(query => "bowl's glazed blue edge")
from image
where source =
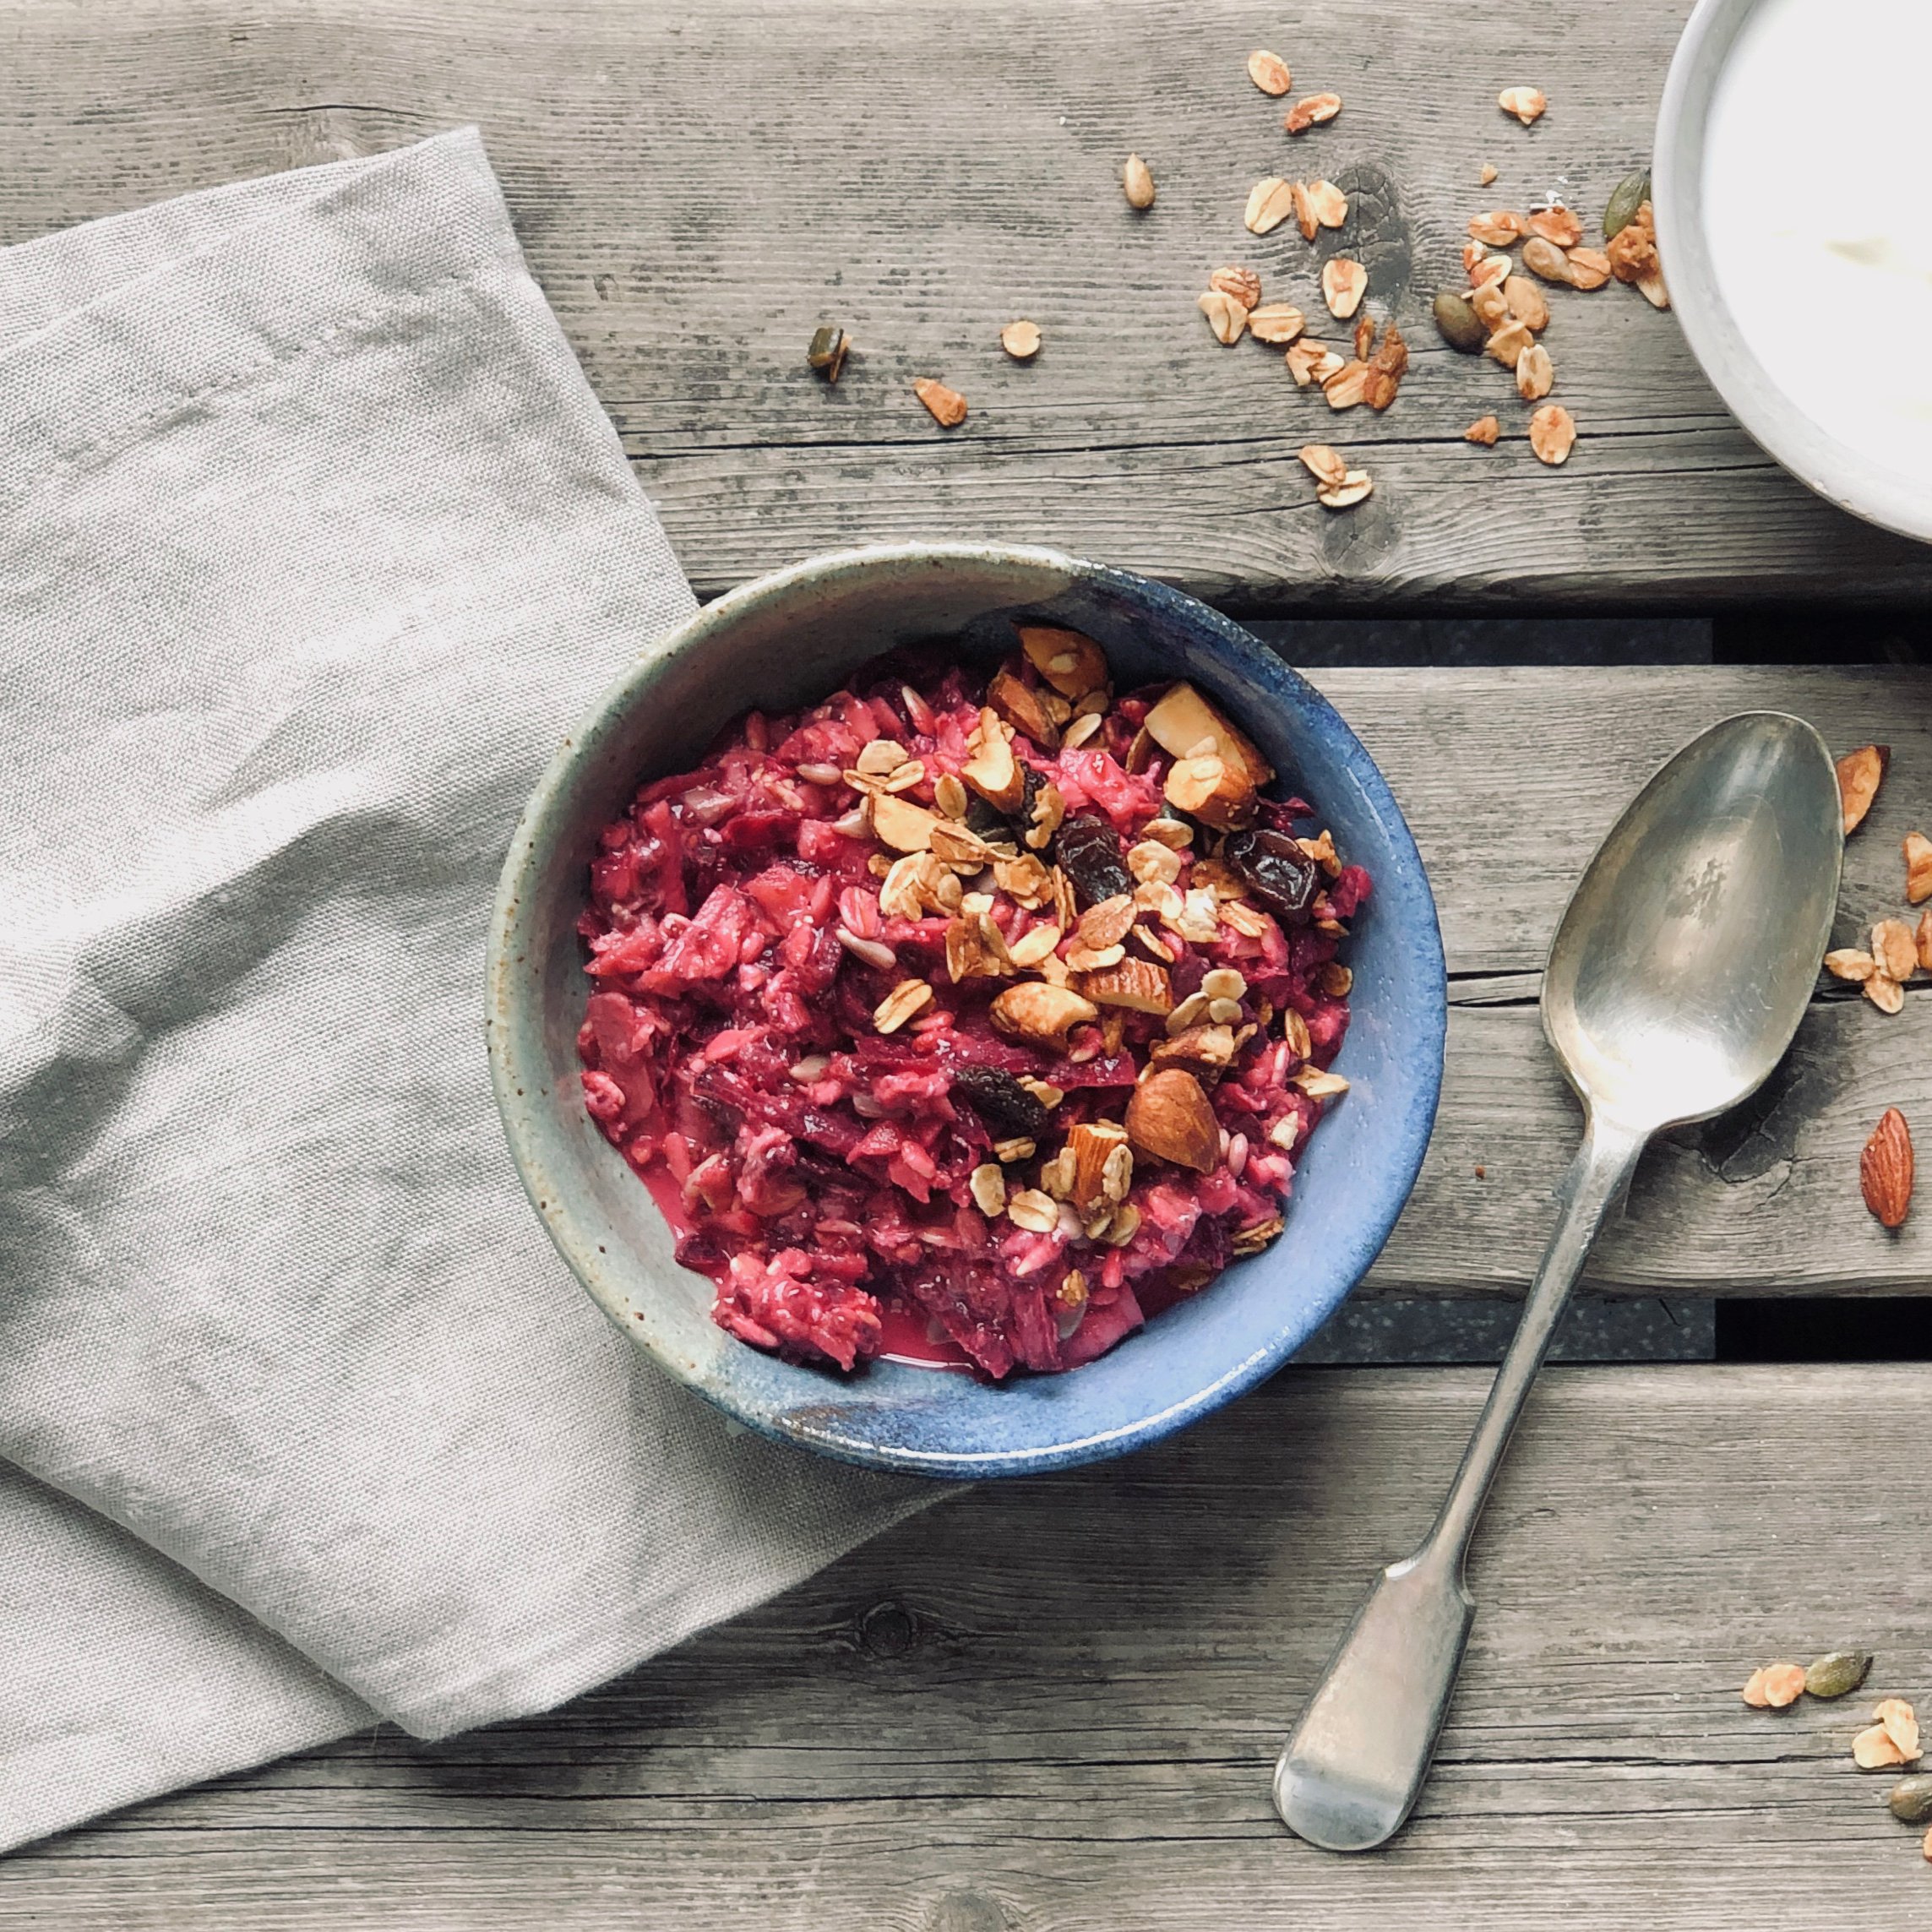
[(753, 1390)]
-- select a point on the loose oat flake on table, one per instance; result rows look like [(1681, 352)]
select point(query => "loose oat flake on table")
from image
[(969, 1020)]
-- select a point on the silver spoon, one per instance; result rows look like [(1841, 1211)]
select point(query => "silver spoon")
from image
[(1679, 971)]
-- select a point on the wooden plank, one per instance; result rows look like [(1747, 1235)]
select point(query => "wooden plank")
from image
[(1053, 1704), (1509, 780), (697, 187)]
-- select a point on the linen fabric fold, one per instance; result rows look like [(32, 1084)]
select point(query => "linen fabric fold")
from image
[(313, 543)]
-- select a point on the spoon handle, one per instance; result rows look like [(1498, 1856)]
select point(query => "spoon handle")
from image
[(1355, 1764)]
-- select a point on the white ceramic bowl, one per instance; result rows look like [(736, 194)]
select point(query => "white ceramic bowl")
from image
[(1892, 498)]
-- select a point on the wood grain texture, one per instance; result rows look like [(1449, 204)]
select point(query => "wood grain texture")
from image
[(1509, 780), (1052, 1705), (697, 186)]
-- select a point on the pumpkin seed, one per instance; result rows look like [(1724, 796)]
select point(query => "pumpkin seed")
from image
[(1629, 195), (1458, 324), (1837, 1673), (1911, 1799)]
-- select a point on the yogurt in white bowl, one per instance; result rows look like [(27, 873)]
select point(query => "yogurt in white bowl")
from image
[(1803, 274)]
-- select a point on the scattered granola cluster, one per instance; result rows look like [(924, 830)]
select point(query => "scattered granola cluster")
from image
[(1501, 313), (1006, 1006), (1891, 1740), (1897, 950)]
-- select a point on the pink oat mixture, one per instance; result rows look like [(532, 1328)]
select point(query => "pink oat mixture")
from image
[(973, 1020)]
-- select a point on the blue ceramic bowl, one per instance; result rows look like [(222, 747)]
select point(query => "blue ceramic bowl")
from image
[(782, 642)]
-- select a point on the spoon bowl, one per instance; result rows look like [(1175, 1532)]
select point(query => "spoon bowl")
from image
[(1679, 971), (1688, 953)]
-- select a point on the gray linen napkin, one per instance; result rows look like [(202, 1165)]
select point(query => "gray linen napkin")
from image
[(313, 541)]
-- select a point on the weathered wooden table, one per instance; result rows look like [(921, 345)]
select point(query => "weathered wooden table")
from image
[(1053, 1705)]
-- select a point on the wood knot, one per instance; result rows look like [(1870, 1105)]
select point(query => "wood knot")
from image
[(966, 1912), (888, 1630)]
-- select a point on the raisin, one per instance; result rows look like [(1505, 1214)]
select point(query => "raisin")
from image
[(986, 820), (1275, 870), (1087, 849), (1001, 1101)]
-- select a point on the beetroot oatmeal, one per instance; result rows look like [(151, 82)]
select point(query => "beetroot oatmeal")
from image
[(991, 1014)]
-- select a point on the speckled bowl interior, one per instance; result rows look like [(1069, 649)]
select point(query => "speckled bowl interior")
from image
[(786, 640)]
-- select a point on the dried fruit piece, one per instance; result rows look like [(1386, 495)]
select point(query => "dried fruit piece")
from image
[(1910, 1800), (1001, 1101), (1274, 867), (1552, 433), (1545, 258), (1499, 228), (1626, 197), (1225, 316), (1837, 1673), (1343, 285), (1527, 104), (1068, 659), (1329, 205), (1270, 72), (1270, 202), (1311, 112), (947, 407), (1484, 430), (1860, 773), (1170, 1119), (1346, 494), (1138, 183), (1347, 386), (1874, 1749), (1535, 373), (1325, 464), (1020, 340), (1276, 322), (1524, 300), (1850, 962), (1886, 1169), (1364, 336), (1457, 323), (1917, 868), (1631, 253)]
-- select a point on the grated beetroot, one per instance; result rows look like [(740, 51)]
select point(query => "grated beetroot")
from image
[(846, 1174)]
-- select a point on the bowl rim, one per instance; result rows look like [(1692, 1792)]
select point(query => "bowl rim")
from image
[(1772, 418), (577, 1244)]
